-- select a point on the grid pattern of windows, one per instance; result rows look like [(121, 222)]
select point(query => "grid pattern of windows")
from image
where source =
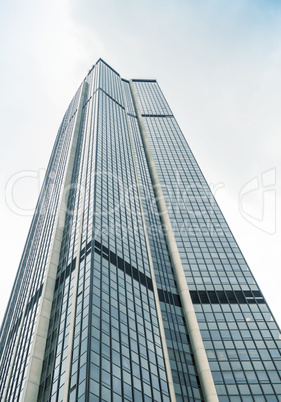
[(241, 337), (116, 332), (116, 338), (186, 382), (116, 309), (22, 311), (54, 365)]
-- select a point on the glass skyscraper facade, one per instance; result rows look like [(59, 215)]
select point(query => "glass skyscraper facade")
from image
[(131, 286)]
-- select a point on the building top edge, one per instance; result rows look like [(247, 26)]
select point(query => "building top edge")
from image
[(107, 65), (100, 60)]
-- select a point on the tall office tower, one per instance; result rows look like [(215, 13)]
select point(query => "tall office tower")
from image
[(131, 285)]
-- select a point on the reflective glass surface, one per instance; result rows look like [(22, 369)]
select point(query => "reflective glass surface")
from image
[(116, 329)]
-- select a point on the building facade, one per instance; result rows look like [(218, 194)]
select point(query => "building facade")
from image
[(131, 286)]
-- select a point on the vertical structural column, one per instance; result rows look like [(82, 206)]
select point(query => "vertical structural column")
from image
[(201, 361), (76, 275), (31, 388), (157, 302)]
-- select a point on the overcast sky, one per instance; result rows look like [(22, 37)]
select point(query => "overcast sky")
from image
[(218, 63)]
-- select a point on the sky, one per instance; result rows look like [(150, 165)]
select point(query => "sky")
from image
[(218, 64)]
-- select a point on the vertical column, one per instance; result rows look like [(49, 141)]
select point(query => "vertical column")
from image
[(201, 361), (76, 274), (34, 369), (157, 303)]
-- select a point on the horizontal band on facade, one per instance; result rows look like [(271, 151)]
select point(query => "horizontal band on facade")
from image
[(123, 265), (198, 297), (65, 273), (226, 297), (168, 297), (214, 297), (157, 115), (114, 100), (144, 80)]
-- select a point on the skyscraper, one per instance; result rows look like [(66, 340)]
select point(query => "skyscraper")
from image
[(131, 285)]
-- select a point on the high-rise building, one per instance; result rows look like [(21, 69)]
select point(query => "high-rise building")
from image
[(131, 285)]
